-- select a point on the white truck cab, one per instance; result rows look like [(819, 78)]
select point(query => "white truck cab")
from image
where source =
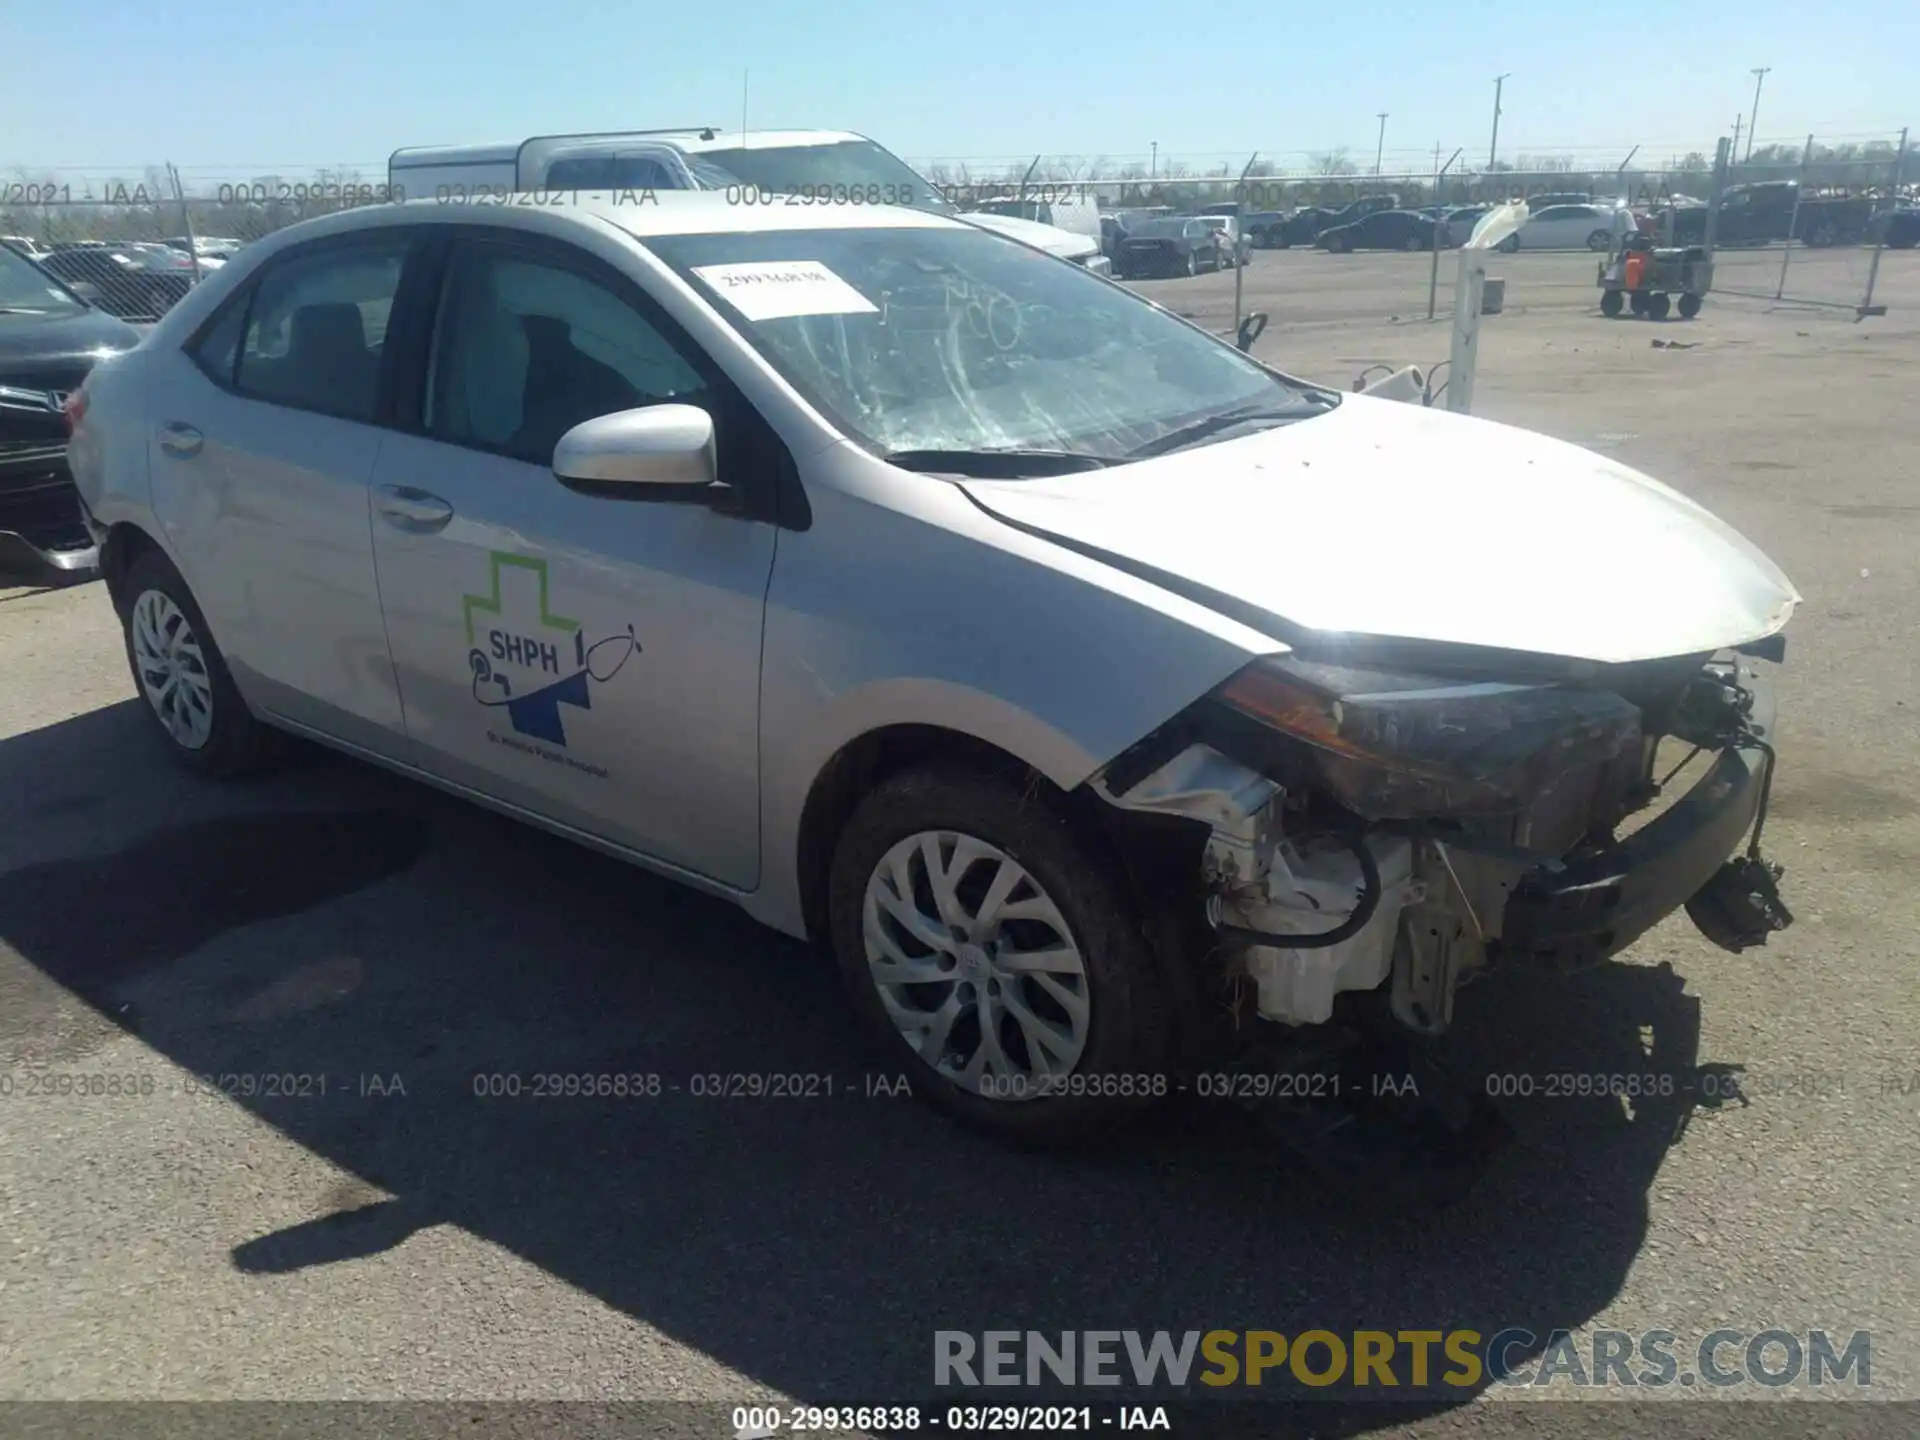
[(828, 166)]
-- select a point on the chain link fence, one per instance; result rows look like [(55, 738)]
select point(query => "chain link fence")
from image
[(1807, 223), (1803, 221)]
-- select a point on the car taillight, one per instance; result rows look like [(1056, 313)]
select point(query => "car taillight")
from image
[(75, 409)]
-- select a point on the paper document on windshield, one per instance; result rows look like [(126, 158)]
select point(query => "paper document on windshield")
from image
[(778, 289)]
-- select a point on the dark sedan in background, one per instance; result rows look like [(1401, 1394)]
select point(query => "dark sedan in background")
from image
[(49, 340), (1386, 230), (1170, 245), (1305, 226)]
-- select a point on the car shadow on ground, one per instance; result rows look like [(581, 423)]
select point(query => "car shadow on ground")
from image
[(334, 921)]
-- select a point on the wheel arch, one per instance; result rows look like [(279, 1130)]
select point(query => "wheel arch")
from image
[(125, 544), (864, 762)]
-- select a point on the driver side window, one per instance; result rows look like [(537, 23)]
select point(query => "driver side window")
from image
[(525, 349)]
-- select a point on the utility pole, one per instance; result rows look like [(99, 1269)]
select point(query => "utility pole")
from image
[(1753, 123), (1153, 165), (1736, 138), (1493, 145), (1380, 148)]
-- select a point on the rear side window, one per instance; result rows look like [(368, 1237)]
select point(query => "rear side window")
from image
[(609, 172), (316, 328)]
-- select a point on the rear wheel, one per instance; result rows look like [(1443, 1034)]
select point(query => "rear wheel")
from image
[(1637, 302), (1657, 307), (993, 955), (1600, 241), (1689, 306), (1612, 302), (1510, 244), (1193, 262), (183, 678)]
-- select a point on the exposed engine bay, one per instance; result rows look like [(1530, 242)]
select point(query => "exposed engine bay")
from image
[(1374, 830)]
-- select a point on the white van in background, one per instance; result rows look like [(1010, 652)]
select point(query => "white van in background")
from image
[(833, 166)]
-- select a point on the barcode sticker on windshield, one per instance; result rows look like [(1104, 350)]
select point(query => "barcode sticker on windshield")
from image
[(777, 289)]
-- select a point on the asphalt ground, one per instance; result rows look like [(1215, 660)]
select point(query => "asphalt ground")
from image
[(401, 1238)]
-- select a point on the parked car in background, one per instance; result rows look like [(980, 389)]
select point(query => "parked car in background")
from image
[(1303, 227), (1458, 222), (1384, 230), (1573, 227), (1899, 227), (134, 281), (1773, 210), (1171, 245), (1234, 245), (49, 339), (1537, 203), (1263, 228), (207, 247), (24, 245)]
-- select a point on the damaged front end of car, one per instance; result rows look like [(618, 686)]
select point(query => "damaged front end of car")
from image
[(1388, 827)]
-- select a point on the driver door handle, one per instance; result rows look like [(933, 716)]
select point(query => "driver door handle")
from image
[(410, 509)]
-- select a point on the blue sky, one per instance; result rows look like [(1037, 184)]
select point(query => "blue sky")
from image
[(244, 87)]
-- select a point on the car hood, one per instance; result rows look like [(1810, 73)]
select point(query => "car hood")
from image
[(1385, 519), (29, 341), (1068, 244)]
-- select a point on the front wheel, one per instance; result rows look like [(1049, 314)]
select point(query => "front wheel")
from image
[(1689, 306), (1510, 244), (1193, 263), (1600, 241), (1612, 302), (180, 672), (994, 956), (1824, 235)]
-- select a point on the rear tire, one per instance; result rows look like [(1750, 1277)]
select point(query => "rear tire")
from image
[(179, 671), (1510, 244), (1612, 302), (1600, 241), (1657, 307), (913, 892), (1689, 306)]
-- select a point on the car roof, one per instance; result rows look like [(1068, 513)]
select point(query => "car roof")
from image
[(696, 141)]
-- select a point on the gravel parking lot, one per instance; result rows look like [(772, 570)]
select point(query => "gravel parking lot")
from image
[(400, 1237)]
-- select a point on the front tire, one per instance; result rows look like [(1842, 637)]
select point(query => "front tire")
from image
[(1511, 244), (994, 956), (1600, 241), (180, 673)]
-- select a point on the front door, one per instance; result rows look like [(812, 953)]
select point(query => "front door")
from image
[(595, 660)]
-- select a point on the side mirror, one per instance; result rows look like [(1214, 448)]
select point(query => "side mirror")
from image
[(658, 452)]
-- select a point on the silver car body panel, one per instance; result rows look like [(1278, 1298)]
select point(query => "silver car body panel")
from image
[(875, 616), (908, 600), (1419, 524)]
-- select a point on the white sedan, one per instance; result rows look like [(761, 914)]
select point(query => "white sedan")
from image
[(1573, 227)]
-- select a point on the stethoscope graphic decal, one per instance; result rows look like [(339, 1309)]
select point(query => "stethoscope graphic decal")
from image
[(537, 712)]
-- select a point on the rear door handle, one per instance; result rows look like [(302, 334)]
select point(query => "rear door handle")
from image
[(411, 509), (180, 439)]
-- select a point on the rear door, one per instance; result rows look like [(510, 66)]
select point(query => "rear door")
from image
[(263, 433), (594, 660)]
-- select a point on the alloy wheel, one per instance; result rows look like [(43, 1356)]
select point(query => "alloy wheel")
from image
[(975, 965), (172, 669)]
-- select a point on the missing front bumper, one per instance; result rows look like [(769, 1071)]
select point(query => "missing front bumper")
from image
[(1596, 905)]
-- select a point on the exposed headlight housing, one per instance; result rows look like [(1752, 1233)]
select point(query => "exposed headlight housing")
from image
[(1396, 746)]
